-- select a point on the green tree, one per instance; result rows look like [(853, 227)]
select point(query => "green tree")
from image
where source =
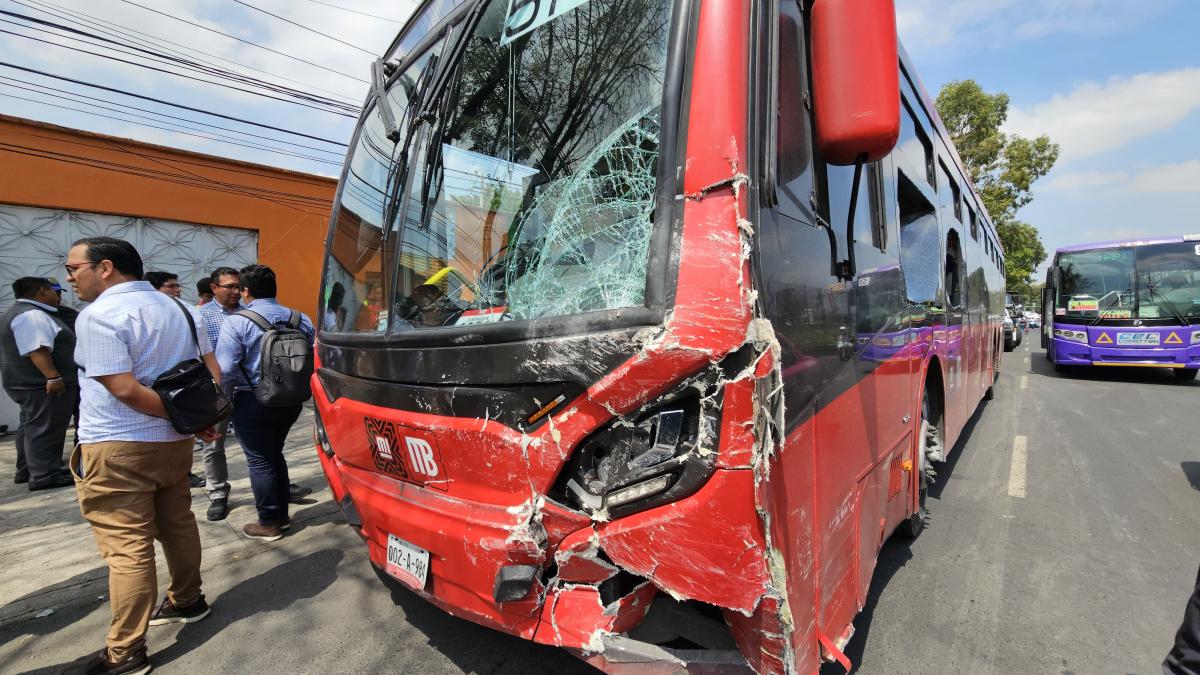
[(1003, 167)]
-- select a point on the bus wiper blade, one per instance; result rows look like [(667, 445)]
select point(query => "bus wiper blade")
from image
[(1170, 305), (1100, 314), (379, 73)]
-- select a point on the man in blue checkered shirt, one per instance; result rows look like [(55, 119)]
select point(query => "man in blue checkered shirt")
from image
[(226, 302), (261, 430)]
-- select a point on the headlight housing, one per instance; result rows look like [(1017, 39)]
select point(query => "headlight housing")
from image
[(321, 437), (1072, 335), (660, 454), (1196, 337)]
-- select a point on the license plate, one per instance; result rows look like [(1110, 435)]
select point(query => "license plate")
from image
[(1137, 338), (407, 562)]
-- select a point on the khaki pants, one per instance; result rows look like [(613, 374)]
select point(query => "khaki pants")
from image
[(133, 493)]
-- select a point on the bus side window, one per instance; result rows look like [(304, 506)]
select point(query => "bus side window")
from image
[(794, 175), (954, 270), (869, 218), (920, 244)]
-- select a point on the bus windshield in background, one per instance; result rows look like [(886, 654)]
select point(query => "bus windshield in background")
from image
[(535, 183), (1153, 281)]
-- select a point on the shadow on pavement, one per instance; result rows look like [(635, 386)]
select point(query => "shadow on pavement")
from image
[(1192, 471), (897, 551), (1040, 365), (490, 650), (60, 618)]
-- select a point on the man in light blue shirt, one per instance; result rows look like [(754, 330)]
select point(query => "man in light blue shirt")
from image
[(261, 430), (131, 466)]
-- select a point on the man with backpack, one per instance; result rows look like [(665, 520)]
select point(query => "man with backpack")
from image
[(266, 356)]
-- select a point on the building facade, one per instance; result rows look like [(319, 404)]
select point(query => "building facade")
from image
[(186, 212)]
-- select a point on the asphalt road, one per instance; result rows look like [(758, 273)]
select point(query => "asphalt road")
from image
[(1082, 568)]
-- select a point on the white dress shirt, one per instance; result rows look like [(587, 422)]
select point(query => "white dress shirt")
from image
[(33, 330), (130, 328)]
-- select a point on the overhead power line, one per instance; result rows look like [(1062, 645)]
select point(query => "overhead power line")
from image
[(76, 97), (355, 11), (170, 103), (243, 40), (128, 49), (194, 133), (171, 72), (311, 30), (153, 41)]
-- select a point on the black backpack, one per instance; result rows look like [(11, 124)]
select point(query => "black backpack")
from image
[(285, 364)]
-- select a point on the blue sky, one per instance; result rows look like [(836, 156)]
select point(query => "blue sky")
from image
[(1115, 82)]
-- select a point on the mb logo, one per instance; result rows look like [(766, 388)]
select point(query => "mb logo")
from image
[(420, 455), (398, 452)]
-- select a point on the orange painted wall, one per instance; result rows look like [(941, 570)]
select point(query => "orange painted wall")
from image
[(59, 168)]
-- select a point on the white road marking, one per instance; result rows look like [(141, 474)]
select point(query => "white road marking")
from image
[(1024, 381), (1016, 475)]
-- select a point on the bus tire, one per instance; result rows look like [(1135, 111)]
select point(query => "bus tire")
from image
[(1185, 373), (915, 525)]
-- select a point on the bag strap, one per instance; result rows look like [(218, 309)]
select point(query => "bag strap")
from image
[(255, 318), (192, 325), (294, 320)]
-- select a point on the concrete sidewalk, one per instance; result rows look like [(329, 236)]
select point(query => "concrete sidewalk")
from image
[(308, 603), (49, 557)]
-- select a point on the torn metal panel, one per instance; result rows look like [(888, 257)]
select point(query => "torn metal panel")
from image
[(692, 548)]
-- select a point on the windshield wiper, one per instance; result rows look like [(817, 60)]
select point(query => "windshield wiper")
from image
[(379, 74), (1170, 305), (1116, 301)]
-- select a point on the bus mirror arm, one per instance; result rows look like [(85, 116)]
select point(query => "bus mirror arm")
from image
[(847, 268)]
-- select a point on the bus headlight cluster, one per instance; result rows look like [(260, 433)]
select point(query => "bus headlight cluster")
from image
[(1072, 335), (1196, 337)]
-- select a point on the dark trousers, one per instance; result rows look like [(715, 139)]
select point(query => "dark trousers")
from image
[(262, 431), (1184, 657), (43, 430)]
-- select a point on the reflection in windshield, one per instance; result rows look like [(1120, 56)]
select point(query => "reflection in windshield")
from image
[(1147, 282)]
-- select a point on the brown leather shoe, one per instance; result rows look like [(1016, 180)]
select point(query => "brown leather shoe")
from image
[(264, 532)]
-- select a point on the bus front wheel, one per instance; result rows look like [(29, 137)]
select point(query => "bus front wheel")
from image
[(929, 439), (1185, 373)]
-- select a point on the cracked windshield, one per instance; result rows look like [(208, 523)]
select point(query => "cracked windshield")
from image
[(1149, 282), (526, 188)]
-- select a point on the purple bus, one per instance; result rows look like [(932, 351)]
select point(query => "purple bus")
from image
[(1131, 303)]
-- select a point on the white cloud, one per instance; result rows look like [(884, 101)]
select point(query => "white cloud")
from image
[(1081, 180), (1178, 178), (929, 25), (1098, 117), (1183, 177)]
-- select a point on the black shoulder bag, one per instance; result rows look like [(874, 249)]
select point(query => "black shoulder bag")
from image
[(193, 399)]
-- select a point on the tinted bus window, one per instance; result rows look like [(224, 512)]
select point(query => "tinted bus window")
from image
[(920, 244), (356, 289)]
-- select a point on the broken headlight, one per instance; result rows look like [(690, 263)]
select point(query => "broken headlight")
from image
[(658, 457)]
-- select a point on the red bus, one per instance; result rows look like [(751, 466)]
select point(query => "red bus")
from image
[(645, 321)]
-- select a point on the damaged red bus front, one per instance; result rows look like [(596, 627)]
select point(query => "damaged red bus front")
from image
[(602, 360)]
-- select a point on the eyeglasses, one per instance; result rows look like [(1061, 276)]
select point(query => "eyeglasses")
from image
[(71, 268), (228, 287)]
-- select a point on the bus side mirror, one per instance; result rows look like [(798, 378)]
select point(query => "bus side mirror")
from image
[(856, 79)]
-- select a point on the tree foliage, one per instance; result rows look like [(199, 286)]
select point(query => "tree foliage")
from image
[(1003, 167)]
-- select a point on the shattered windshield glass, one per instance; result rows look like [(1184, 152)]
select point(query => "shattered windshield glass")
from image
[(532, 191)]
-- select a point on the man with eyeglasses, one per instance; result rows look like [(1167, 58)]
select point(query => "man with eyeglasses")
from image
[(165, 282), (223, 283), (39, 374), (226, 301), (131, 465)]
